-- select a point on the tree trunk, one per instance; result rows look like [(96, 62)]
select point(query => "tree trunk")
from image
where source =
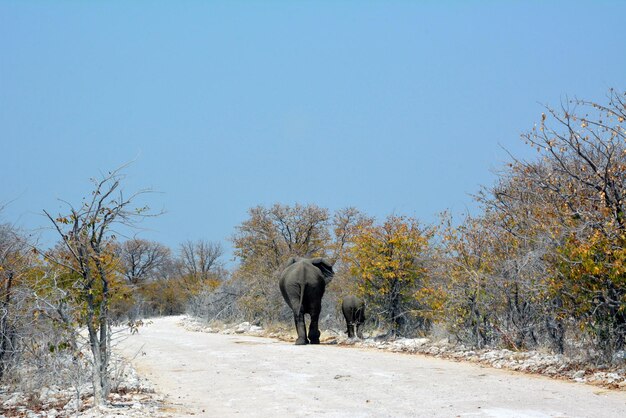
[(395, 308), (98, 392), (5, 331), (104, 334), (104, 357)]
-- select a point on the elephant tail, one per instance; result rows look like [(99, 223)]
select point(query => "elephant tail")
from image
[(302, 288)]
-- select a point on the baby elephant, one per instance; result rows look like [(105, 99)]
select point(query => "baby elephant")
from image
[(354, 311)]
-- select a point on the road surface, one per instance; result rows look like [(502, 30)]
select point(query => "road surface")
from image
[(214, 375)]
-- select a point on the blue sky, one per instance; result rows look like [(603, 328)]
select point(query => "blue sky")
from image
[(400, 107)]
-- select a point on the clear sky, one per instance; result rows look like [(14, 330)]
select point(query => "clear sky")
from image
[(400, 107)]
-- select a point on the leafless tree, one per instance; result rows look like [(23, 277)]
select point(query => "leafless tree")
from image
[(271, 235), (142, 259), (87, 252), (200, 259), (346, 224), (15, 261)]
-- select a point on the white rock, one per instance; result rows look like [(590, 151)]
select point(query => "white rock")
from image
[(243, 327), (612, 377), (596, 377), (550, 370)]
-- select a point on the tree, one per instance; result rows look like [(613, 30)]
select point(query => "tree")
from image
[(389, 261), (583, 176), (468, 266), (87, 251), (265, 241), (276, 233), (16, 262), (560, 226), (38, 338), (346, 224), (142, 259), (200, 261)]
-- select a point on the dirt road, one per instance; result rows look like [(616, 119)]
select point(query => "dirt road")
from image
[(217, 375)]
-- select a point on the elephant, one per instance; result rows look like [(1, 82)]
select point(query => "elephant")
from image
[(353, 309), (302, 284)]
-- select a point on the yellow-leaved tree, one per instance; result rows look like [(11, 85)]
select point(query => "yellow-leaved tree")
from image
[(389, 264)]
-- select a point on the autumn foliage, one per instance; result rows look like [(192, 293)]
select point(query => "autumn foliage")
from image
[(541, 264), (389, 262)]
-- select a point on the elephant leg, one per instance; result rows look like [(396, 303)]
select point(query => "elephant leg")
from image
[(300, 328), (314, 332), (350, 330)]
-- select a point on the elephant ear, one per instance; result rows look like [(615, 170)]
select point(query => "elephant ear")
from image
[(290, 261), (325, 267)]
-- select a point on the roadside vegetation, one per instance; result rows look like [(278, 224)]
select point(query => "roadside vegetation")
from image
[(542, 265)]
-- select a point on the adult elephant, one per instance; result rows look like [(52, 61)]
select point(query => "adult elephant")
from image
[(302, 284), (353, 309)]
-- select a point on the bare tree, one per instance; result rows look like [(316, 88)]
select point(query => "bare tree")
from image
[(274, 234), (15, 261), (200, 259), (142, 259), (346, 224), (87, 251)]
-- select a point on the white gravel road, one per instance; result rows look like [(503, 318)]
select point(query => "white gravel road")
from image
[(214, 375)]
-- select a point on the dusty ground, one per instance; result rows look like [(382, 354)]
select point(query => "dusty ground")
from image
[(131, 396), (205, 374)]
